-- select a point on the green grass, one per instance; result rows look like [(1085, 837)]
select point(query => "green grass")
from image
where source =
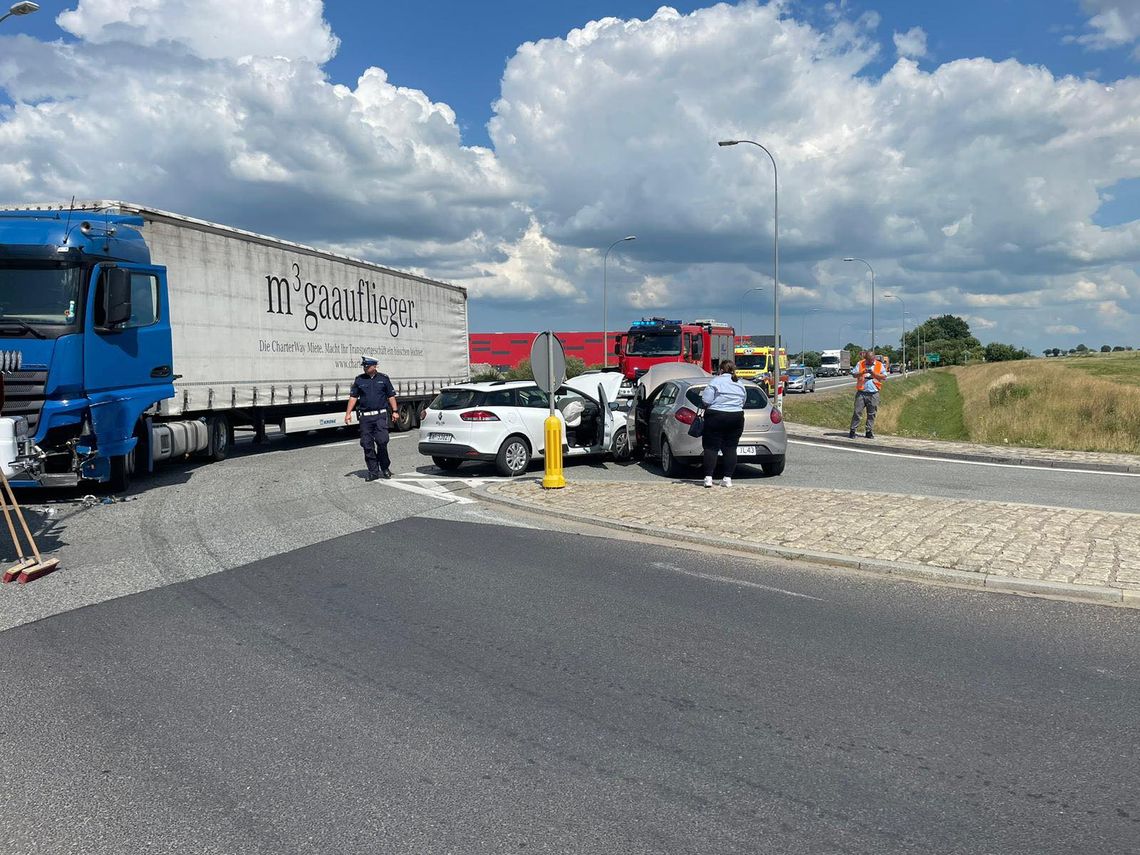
[(922, 405), (1119, 367), (826, 409), (936, 411)]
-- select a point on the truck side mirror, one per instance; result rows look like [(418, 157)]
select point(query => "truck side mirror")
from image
[(617, 347), (115, 285)]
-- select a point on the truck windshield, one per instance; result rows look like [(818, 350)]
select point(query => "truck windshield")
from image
[(752, 361), (829, 360), (39, 293), (653, 344)]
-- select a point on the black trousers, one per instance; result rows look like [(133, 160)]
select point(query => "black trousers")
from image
[(722, 433), (374, 439)]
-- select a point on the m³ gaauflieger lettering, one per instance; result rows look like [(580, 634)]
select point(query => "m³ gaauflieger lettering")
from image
[(363, 304)]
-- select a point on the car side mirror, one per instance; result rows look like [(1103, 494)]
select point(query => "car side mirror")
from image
[(116, 287)]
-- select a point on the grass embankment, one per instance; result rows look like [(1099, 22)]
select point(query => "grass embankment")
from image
[(926, 405), (1089, 403)]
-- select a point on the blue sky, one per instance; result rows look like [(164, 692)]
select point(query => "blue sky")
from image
[(984, 155), (457, 52)]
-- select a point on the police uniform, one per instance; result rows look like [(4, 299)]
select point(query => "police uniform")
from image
[(372, 394)]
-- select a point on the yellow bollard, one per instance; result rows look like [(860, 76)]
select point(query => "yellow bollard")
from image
[(553, 478)]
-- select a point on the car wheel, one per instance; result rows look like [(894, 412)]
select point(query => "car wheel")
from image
[(447, 464), (669, 464), (622, 451), (513, 457), (773, 467)]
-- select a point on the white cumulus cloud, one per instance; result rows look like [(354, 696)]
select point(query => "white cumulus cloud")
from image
[(212, 29), (1114, 23), (911, 44)]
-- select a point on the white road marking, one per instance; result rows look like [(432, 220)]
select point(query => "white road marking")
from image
[(730, 581), (830, 447), (437, 493)]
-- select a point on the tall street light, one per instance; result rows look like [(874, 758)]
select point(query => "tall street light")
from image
[(803, 320), (842, 327), (742, 296), (872, 269), (605, 319), (775, 268), (25, 8), (900, 299)]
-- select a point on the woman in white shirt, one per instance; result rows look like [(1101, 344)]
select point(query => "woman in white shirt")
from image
[(724, 399)]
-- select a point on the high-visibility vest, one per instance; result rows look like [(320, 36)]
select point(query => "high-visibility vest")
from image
[(876, 382)]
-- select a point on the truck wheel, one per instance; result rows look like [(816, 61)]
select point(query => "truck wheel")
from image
[(220, 438), (669, 464), (447, 464), (773, 467), (122, 472), (513, 457)]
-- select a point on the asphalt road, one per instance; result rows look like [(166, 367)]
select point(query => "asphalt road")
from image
[(864, 469), (432, 686)]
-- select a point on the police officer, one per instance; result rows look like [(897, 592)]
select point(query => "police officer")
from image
[(377, 398)]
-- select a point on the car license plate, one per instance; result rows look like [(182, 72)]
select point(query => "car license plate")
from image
[(439, 437), (746, 450)]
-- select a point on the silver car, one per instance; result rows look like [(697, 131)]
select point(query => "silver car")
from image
[(661, 415), (801, 380)]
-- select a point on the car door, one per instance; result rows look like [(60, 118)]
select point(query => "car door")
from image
[(533, 410), (662, 406)]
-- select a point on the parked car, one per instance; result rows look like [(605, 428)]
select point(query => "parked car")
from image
[(801, 380), (504, 422), (658, 425)]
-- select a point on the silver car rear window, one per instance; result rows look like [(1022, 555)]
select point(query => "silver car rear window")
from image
[(756, 399)]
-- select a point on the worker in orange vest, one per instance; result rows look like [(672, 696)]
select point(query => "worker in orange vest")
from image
[(869, 379)]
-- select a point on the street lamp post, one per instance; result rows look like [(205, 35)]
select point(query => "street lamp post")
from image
[(605, 318), (25, 8), (775, 268), (803, 320), (842, 327), (742, 296), (872, 269), (900, 299)]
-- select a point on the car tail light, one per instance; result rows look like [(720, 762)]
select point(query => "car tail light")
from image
[(776, 417), (478, 416), (685, 416)]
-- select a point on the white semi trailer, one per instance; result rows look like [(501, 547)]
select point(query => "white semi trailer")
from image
[(170, 330)]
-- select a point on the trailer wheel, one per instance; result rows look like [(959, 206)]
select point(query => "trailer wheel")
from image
[(405, 418), (221, 436)]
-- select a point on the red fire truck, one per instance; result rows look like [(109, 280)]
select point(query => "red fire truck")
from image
[(653, 340)]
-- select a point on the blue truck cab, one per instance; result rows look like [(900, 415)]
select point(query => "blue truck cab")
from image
[(85, 334)]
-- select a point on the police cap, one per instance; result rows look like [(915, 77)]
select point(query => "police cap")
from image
[(368, 360)]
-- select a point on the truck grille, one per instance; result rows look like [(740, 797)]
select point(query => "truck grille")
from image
[(24, 395)]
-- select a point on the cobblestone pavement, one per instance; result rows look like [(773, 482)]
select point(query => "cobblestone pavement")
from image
[(974, 451), (1030, 542)]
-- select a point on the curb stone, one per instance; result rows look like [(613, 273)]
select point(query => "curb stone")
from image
[(1035, 463), (914, 572)]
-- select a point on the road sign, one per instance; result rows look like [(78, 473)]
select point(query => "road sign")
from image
[(548, 361), (933, 357)]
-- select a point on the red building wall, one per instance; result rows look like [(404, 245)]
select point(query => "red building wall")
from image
[(506, 350)]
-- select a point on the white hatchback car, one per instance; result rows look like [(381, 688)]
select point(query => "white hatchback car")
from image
[(504, 422)]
